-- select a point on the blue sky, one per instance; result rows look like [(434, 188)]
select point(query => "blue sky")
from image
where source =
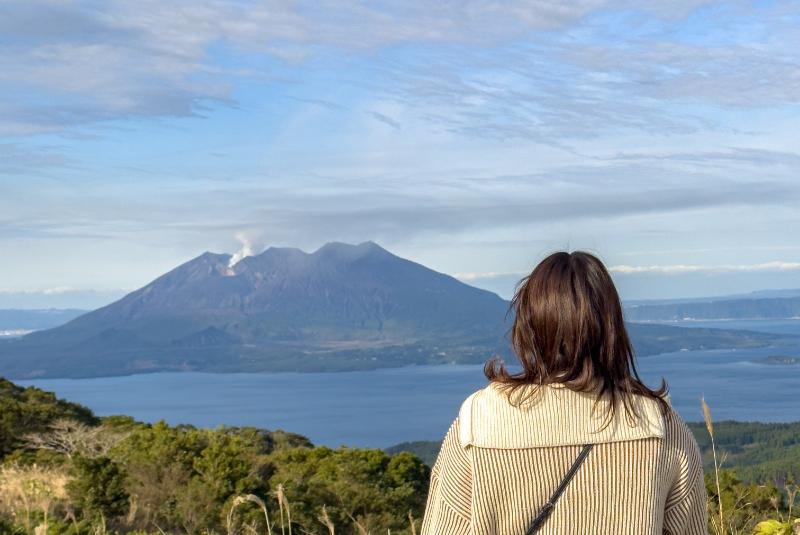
[(474, 137)]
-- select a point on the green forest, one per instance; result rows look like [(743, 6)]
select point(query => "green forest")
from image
[(65, 470)]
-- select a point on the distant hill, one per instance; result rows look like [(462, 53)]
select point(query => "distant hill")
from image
[(427, 450), (342, 307), (749, 308), (22, 319), (784, 292), (758, 294)]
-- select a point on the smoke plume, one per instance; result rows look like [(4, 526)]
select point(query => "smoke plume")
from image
[(249, 247)]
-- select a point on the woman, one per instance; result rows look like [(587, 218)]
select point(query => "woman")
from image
[(579, 406)]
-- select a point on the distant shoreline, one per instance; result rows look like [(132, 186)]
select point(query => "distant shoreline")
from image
[(780, 360)]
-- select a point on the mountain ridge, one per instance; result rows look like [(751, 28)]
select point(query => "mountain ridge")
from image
[(341, 307)]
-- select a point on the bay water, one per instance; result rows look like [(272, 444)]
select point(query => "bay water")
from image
[(384, 407)]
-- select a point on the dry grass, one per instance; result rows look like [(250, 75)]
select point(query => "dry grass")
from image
[(283, 505), (413, 523), (719, 528), (26, 489), (733, 521), (252, 498), (326, 520), (359, 526)]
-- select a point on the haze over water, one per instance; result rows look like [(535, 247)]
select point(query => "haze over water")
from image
[(384, 407)]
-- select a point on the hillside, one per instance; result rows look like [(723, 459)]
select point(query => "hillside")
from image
[(63, 468), (723, 308), (342, 307), (31, 410), (757, 294)]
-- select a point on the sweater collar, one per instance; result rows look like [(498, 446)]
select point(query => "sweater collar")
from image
[(553, 416)]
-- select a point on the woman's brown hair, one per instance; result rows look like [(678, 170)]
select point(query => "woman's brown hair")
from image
[(569, 329)]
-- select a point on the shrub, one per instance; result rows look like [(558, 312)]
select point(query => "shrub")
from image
[(97, 488)]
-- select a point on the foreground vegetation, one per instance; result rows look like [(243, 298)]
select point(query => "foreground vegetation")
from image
[(65, 470)]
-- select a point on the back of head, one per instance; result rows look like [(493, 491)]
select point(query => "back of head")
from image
[(569, 329)]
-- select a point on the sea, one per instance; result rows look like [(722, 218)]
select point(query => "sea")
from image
[(385, 407)]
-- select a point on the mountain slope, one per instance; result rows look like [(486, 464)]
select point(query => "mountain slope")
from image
[(272, 311), (341, 292)]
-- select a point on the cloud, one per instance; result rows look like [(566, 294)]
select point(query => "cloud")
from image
[(527, 92), (390, 210), (601, 76), (18, 159), (467, 277), (79, 62), (722, 268), (385, 119), (496, 69), (58, 297), (57, 290), (734, 155)]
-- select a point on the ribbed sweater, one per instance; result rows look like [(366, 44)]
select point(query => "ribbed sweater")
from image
[(499, 464)]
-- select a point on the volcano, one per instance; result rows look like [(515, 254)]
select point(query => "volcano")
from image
[(340, 307)]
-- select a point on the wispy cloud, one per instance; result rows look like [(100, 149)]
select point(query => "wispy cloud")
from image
[(392, 212), (58, 290), (467, 277), (734, 155), (58, 297), (114, 60), (18, 159), (722, 268), (657, 269), (590, 81), (385, 119)]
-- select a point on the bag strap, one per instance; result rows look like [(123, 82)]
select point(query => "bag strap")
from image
[(547, 508)]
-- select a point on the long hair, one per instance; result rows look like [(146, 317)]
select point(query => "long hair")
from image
[(569, 329)]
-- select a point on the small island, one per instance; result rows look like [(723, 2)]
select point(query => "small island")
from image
[(781, 360)]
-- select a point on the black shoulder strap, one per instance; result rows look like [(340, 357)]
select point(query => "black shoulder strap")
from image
[(547, 508)]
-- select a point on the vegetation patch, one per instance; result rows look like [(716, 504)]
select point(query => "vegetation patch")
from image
[(64, 470)]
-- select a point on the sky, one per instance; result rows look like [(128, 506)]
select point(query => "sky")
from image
[(474, 137)]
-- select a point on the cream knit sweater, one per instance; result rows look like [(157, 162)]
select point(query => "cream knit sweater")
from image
[(499, 464)]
